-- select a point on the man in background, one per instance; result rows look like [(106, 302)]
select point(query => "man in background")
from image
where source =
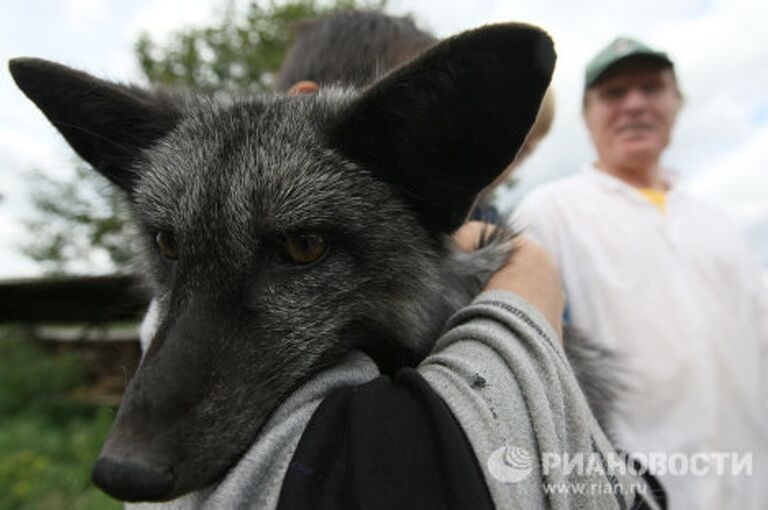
[(665, 281)]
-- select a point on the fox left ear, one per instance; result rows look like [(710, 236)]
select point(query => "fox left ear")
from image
[(443, 127), (105, 123)]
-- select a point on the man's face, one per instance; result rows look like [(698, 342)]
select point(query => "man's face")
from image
[(630, 113)]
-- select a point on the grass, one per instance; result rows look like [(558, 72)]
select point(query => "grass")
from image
[(48, 439)]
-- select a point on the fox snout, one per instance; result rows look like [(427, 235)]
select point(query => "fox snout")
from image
[(174, 432), (132, 480), (158, 413)]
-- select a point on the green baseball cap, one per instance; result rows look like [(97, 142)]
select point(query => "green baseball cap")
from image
[(620, 49)]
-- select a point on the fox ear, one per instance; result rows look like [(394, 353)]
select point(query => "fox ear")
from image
[(105, 123), (446, 125)]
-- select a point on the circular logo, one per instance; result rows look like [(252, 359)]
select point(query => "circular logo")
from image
[(510, 464)]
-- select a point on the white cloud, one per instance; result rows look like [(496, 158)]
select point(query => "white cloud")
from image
[(160, 18), (83, 14), (20, 151), (737, 182)]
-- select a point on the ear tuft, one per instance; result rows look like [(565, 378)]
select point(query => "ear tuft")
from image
[(446, 125), (105, 123)]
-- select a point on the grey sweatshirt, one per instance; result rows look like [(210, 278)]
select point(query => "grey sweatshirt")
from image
[(503, 374)]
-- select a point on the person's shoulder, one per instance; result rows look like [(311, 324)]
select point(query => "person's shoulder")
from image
[(705, 221), (694, 202), (563, 186), (551, 197), (705, 213)]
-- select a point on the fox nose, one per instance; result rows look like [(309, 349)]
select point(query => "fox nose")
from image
[(131, 481)]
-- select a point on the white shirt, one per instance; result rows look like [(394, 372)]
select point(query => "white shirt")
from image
[(678, 295)]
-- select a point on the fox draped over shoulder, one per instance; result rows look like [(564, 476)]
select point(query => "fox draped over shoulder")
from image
[(382, 177)]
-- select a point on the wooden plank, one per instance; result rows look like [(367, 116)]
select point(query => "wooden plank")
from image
[(73, 299), (78, 333)]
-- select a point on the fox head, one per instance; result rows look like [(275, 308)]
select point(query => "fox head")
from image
[(281, 232)]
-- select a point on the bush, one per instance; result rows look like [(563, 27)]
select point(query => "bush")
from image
[(49, 440)]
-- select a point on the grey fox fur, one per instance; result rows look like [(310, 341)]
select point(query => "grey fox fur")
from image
[(279, 232)]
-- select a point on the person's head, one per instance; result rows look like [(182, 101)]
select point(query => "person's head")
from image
[(630, 104), (351, 48)]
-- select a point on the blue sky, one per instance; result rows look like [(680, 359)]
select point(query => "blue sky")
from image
[(720, 147)]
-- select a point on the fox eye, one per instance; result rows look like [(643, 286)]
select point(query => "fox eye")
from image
[(166, 243), (302, 248)]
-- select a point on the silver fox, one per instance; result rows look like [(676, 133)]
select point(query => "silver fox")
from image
[(279, 233)]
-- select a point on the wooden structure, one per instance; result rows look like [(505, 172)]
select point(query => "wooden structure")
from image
[(67, 299), (95, 317)]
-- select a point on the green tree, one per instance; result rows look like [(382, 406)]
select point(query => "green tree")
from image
[(80, 224), (241, 51), (83, 218)]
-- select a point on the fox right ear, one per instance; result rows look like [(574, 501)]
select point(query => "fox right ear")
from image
[(105, 123), (444, 126)]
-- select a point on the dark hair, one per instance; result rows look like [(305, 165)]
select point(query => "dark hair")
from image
[(352, 48)]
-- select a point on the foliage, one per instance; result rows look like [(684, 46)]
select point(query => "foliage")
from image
[(49, 441), (80, 223), (239, 52), (31, 381), (84, 220)]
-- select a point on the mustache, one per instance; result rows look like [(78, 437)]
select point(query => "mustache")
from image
[(636, 126)]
